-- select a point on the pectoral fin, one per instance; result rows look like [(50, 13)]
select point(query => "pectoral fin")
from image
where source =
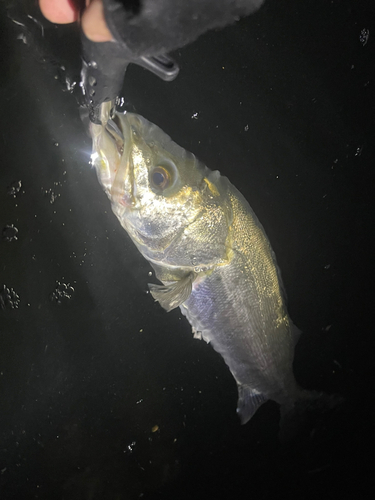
[(249, 400), (174, 294)]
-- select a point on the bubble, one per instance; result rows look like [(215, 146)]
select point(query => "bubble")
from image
[(364, 36), (93, 64), (8, 298), (120, 102), (14, 188), (62, 293), (70, 84), (49, 193), (10, 233), (130, 446)]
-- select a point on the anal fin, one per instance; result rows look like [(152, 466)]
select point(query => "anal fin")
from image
[(249, 400)]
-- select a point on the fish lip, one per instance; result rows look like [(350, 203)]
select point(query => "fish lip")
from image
[(121, 172)]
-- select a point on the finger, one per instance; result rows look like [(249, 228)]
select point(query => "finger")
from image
[(59, 11), (94, 24)]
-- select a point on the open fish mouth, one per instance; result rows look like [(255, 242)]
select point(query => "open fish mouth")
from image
[(116, 134), (110, 154)]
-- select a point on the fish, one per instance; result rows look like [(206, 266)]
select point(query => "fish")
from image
[(209, 252)]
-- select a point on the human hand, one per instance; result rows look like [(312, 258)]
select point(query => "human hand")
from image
[(67, 11)]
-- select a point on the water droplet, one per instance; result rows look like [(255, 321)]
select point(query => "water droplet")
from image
[(14, 188), (150, 273), (62, 293), (364, 36), (92, 81), (10, 233), (8, 298), (130, 446), (120, 102), (49, 193), (70, 84)]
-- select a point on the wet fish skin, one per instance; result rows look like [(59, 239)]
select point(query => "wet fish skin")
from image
[(210, 252)]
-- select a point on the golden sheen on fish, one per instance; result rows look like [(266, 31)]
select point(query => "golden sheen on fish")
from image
[(208, 249)]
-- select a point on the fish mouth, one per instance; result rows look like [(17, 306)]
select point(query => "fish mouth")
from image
[(122, 189)]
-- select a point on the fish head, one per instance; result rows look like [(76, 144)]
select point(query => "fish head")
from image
[(160, 193)]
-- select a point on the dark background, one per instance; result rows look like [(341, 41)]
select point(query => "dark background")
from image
[(285, 109)]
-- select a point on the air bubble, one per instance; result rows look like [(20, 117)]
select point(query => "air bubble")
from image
[(14, 188), (62, 293), (364, 36), (10, 233), (93, 64), (49, 193), (9, 299)]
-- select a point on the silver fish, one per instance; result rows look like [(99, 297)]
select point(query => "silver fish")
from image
[(208, 249)]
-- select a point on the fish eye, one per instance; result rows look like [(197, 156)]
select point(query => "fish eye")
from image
[(160, 178)]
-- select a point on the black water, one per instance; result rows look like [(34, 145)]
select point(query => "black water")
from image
[(102, 394)]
